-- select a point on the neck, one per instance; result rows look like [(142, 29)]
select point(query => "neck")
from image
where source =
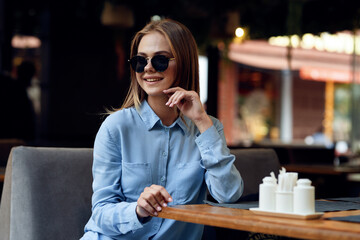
[(166, 114)]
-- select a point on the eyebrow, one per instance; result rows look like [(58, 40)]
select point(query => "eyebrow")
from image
[(156, 53)]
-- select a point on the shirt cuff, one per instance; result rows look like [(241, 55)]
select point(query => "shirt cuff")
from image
[(208, 138), (134, 220)]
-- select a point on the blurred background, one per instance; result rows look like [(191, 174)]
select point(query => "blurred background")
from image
[(280, 73)]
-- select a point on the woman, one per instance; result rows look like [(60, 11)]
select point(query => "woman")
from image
[(160, 148)]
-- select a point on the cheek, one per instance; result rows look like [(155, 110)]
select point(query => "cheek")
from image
[(173, 75), (176, 80)]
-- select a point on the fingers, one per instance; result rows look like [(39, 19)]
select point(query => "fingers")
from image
[(175, 98), (178, 95), (152, 200), (172, 90)]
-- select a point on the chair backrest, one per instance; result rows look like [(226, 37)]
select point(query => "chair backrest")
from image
[(47, 193), (254, 164), (5, 147)]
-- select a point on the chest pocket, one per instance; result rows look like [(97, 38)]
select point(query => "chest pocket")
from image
[(134, 178)]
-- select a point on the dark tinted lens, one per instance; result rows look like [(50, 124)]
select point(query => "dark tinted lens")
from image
[(160, 63), (138, 63)]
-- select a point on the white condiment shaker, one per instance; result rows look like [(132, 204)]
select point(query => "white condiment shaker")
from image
[(304, 197), (284, 201), (267, 194)]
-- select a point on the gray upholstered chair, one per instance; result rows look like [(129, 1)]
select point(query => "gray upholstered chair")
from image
[(254, 164), (5, 147), (47, 193)]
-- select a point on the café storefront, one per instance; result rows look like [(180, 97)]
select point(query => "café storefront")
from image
[(269, 91)]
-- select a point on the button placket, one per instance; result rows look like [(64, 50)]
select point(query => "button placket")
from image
[(165, 154)]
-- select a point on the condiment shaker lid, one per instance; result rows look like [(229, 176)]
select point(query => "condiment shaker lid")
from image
[(303, 182), (269, 180)]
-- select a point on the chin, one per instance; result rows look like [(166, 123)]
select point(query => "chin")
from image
[(154, 93)]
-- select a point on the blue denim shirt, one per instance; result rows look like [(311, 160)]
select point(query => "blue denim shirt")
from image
[(133, 150)]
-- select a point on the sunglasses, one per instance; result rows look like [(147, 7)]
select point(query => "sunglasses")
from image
[(159, 62)]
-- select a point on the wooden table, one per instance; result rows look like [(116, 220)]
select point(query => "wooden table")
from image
[(328, 180), (322, 169), (247, 220)]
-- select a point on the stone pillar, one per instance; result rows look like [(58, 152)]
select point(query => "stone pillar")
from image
[(286, 114)]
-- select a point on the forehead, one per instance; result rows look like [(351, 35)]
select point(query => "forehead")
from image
[(152, 43)]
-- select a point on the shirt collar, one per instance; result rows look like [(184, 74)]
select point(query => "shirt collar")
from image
[(184, 124), (148, 115), (150, 118)]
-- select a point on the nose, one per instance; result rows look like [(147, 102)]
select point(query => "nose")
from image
[(148, 67)]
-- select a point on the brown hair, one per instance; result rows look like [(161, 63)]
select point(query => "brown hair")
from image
[(184, 50)]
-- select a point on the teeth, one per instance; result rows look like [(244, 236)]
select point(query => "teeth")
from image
[(152, 79)]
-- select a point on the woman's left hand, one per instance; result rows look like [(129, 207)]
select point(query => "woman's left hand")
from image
[(188, 102)]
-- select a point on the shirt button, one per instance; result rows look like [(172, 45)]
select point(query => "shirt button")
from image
[(164, 154), (162, 178), (155, 227)]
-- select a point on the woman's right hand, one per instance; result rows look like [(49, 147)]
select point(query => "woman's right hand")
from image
[(152, 200)]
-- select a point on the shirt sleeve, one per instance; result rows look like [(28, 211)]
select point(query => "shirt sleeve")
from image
[(112, 215), (222, 178)]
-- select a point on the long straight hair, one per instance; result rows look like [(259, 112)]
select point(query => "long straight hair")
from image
[(184, 49)]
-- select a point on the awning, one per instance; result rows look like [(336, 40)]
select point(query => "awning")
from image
[(325, 74), (312, 64)]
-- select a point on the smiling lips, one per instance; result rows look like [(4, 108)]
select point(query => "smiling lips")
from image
[(153, 79)]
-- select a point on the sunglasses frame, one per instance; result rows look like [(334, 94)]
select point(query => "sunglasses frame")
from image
[(147, 62)]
